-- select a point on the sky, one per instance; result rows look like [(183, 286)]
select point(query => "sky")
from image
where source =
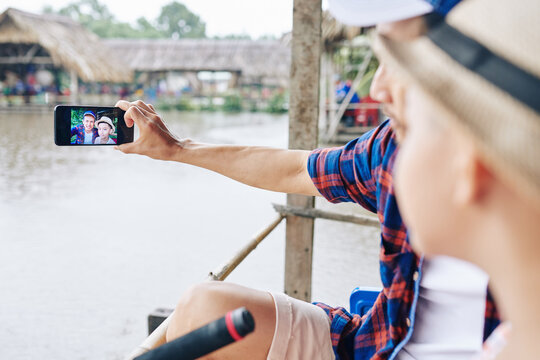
[(222, 17)]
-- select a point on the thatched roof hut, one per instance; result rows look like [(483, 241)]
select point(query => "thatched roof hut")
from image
[(332, 32), (67, 43), (264, 61)]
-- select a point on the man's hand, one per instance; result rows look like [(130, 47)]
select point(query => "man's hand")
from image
[(267, 168), (155, 139)]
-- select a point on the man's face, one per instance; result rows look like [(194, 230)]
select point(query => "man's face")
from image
[(386, 87), (389, 90), (88, 123), (104, 130)]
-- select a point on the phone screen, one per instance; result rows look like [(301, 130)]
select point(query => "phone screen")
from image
[(90, 125)]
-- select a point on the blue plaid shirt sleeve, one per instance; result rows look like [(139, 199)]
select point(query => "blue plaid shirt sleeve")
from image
[(361, 172), (351, 173)]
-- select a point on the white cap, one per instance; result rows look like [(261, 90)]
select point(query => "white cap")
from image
[(371, 12)]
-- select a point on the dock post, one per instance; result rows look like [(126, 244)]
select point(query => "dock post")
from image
[(303, 134), (74, 87)]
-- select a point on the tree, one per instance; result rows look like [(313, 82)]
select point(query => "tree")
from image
[(87, 11), (177, 21), (97, 18), (174, 21), (147, 30), (234, 37)]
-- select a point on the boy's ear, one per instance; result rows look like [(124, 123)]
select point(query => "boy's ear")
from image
[(474, 180)]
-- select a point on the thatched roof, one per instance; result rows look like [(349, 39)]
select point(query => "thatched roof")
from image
[(69, 45), (334, 31), (253, 59)]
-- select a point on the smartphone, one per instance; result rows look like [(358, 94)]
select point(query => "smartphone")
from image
[(90, 125)]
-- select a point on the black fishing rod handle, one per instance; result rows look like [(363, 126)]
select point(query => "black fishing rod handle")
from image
[(234, 326)]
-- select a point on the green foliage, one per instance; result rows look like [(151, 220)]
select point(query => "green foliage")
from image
[(86, 11), (77, 116), (164, 106), (232, 103), (253, 106), (208, 105), (349, 60), (365, 83), (184, 104), (147, 30), (91, 14), (106, 29), (267, 37), (177, 21), (174, 21), (278, 103), (234, 37)]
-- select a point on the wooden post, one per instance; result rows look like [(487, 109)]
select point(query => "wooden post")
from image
[(74, 87), (303, 133), (323, 87), (234, 80), (331, 92)]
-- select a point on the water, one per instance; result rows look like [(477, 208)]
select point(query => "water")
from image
[(92, 240)]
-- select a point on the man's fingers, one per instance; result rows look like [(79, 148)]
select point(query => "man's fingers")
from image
[(146, 118), (142, 105), (146, 111), (122, 104), (126, 148), (134, 115), (129, 122)]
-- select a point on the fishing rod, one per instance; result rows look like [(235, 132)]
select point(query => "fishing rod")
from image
[(232, 327)]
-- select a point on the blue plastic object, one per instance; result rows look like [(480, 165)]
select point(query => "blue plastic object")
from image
[(362, 299)]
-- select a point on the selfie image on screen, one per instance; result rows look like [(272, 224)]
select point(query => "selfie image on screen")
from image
[(91, 127)]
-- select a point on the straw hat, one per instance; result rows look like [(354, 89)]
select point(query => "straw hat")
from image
[(107, 120), (494, 91)]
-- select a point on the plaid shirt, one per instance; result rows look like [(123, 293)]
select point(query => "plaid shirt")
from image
[(361, 172), (79, 131)]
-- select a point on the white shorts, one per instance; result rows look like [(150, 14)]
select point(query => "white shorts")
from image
[(302, 331)]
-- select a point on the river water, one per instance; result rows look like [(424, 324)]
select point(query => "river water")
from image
[(92, 240)]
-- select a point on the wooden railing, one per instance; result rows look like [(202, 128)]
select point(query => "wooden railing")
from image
[(157, 337)]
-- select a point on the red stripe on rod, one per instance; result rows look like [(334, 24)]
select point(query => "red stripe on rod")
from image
[(230, 326)]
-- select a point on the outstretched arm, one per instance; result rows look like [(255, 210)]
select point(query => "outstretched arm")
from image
[(263, 167)]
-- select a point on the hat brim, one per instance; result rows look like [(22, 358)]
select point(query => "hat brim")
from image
[(106, 122), (479, 107), (371, 12)]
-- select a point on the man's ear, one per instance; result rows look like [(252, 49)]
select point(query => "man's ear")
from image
[(474, 180)]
